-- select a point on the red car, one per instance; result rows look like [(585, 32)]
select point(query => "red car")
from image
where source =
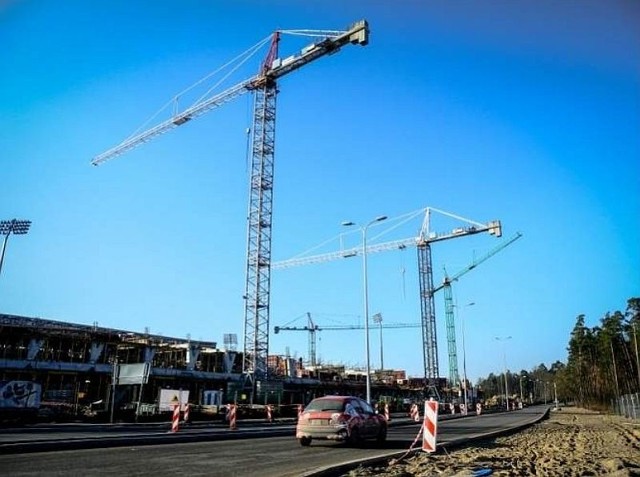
[(340, 418)]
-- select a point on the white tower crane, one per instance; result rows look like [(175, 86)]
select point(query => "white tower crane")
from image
[(454, 376), (312, 328), (423, 243), (264, 87)]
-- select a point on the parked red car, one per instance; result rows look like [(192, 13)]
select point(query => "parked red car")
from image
[(340, 418)]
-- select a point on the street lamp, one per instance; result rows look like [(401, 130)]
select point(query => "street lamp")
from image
[(8, 227), (366, 294), (377, 318), (464, 356), (504, 363)]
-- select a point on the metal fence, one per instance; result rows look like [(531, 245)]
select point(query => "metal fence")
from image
[(627, 406)]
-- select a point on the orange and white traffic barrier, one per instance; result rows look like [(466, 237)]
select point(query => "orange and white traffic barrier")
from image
[(387, 416), (415, 412), (452, 408), (430, 426), (478, 409), (186, 413), (269, 413), (176, 418), (232, 416)]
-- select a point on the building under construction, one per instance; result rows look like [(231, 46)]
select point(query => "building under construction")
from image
[(80, 370)]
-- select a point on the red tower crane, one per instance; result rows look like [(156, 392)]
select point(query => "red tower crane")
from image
[(264, 87)]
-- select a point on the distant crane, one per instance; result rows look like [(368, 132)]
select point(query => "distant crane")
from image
[(454, 376), (264, 87), (312, 328), (448, 297), (425, 272)]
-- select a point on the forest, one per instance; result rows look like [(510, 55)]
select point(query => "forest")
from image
[(602, 365)]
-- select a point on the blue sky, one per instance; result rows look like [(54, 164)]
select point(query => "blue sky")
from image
[(526, 112)]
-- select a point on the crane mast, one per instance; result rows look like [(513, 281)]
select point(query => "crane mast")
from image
[(428, 314), (264, 87), (258, 274)]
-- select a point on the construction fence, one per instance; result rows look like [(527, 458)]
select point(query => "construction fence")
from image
[(627, 405)]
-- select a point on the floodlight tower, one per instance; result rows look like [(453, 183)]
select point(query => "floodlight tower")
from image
[(8, 227)]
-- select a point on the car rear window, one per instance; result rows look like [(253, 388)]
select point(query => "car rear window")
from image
[(326, 405)]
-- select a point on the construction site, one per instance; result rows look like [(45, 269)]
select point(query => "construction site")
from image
[(111, 374)]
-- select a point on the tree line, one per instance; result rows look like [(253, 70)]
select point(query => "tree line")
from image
[(602, 364)]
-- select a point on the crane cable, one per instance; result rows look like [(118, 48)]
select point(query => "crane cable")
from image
[(241, 59)]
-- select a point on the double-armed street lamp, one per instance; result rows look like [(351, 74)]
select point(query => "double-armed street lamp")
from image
[(363, 229), (504, 363), (8, 227)]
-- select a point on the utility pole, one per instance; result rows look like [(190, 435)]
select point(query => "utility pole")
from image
[(464, 358), (504, 362), (521, 393), (114, 377)]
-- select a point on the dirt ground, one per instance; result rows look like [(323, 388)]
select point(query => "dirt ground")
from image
[(572, 442)]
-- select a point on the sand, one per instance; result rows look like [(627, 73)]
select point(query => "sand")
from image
[(572, 442)]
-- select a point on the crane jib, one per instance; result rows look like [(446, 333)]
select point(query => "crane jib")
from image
[(357, 34)]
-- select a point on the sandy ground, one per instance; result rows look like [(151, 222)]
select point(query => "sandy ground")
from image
[(572, 442)]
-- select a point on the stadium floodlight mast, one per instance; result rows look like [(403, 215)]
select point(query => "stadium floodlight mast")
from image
[(8, 227), (363, 229)]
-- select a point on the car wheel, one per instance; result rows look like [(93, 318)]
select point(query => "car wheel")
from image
[(355, 438), (305, 441), (382, 436)]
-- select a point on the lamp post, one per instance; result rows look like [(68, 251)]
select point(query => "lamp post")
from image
[(8, 227), (464, 357), (366, 295), (504, 363)]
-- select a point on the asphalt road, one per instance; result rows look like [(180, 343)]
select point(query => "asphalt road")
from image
[(246, 456)]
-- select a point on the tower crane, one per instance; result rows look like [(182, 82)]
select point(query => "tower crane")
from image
[(312, 328), (448, 299), (454, 376), (264, 87), (422, 242)]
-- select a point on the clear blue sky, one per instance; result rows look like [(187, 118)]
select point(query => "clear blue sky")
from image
[(522, 111)]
